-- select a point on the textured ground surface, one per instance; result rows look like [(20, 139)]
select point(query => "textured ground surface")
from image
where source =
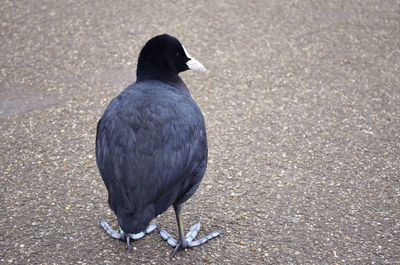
[(302, 104)]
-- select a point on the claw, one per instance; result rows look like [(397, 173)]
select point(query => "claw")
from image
[(125, 236), (193, 231), (175, 250)]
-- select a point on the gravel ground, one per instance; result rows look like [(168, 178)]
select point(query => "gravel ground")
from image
[(302, 105)]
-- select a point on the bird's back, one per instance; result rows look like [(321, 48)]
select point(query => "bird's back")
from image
[(151, 150)]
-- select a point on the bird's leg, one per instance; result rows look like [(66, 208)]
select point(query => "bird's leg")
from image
[(185, 241), (182, 243), (126, 236)]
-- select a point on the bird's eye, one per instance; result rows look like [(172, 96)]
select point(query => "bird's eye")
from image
[(178, 54)]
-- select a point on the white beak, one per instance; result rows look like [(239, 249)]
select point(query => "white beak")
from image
[(193, 64)]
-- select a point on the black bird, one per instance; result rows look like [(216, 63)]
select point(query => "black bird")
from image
[(151, 145)]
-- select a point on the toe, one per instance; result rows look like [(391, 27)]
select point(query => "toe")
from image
[(203, 239), (152, 227), (193, 231), (167, 237)]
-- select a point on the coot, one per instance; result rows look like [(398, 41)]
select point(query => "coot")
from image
[(151, 145)]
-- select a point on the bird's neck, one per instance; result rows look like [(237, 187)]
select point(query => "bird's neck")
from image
[(149, 72)]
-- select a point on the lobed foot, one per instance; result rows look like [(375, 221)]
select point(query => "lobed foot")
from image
[(126, 236), (188, 240)]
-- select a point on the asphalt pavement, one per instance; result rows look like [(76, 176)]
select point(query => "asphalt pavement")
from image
[(302, 106)]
